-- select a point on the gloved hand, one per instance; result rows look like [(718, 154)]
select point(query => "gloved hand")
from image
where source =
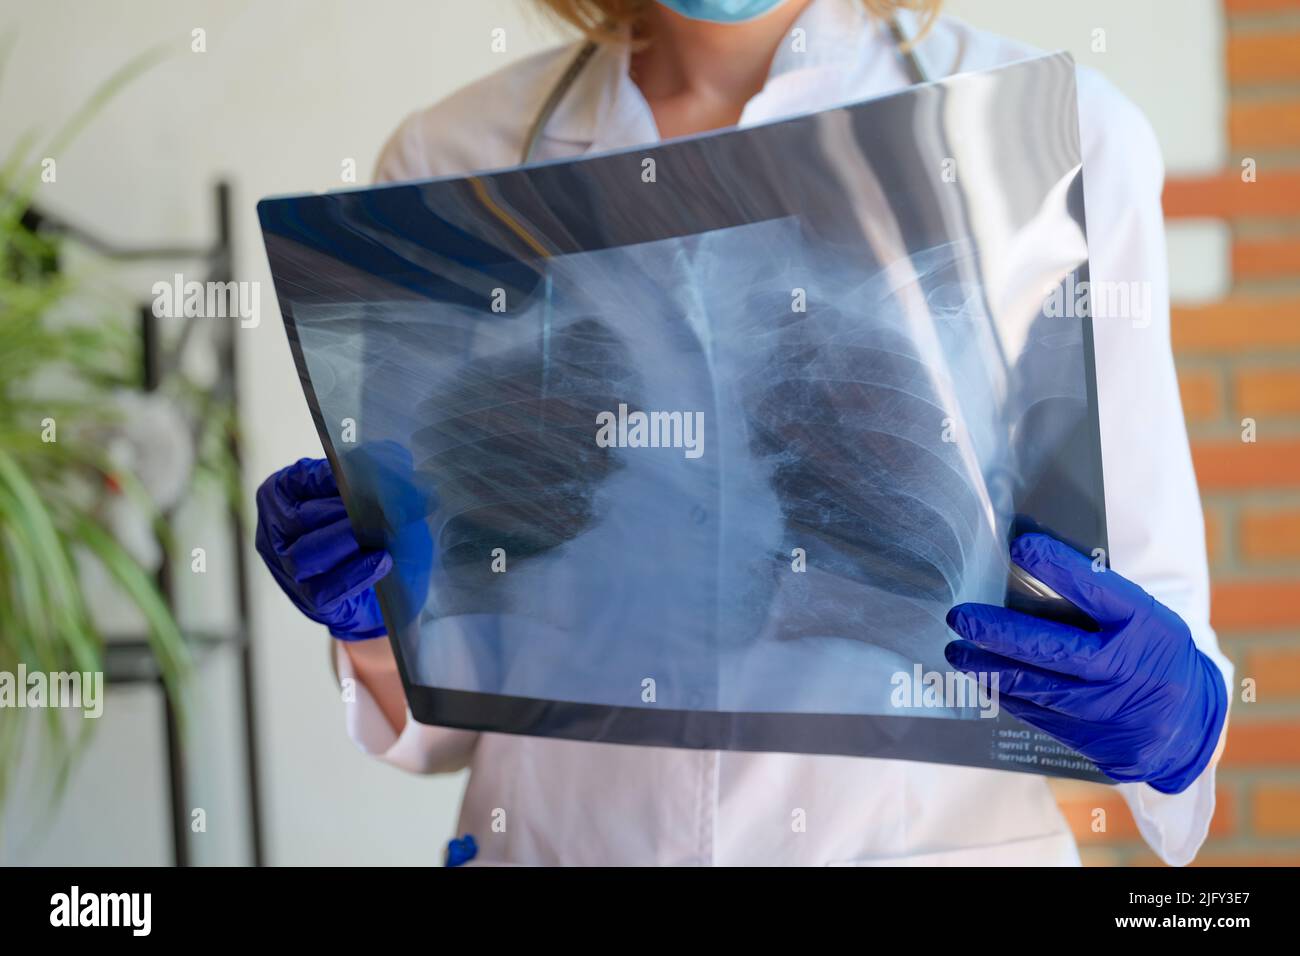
[(1136, 697), (306, 540)]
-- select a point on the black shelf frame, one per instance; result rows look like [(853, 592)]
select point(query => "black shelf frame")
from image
[(129, 660)]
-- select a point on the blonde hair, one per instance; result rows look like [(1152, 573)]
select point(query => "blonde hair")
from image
[(606, 21)]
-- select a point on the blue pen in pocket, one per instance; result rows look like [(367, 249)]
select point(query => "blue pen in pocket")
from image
[(460, 852)]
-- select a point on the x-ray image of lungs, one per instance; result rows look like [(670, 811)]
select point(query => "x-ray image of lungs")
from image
[(856, 415), (811, 509), (706, 462)]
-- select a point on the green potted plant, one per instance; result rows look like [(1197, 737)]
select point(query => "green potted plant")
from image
[(63, 370)]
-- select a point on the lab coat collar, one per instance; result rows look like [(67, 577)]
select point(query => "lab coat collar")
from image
[(831, 44), (829, 33)]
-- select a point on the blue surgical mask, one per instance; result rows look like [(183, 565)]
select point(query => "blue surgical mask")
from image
[(722, 11)]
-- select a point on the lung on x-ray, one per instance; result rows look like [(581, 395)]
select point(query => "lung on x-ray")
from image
[(702, 458)]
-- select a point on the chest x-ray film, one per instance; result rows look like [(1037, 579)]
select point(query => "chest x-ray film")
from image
[(695, 444)]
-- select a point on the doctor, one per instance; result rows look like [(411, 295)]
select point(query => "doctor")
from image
[(1145, 696)]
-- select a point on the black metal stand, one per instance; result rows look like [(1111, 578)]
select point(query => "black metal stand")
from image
[(131, 661)]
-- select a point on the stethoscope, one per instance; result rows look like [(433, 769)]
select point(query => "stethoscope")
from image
[(906, 51)]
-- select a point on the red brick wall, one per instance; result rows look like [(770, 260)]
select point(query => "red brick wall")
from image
[(1240, 359)]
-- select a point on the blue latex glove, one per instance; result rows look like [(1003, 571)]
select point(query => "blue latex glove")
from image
[(1136, 696), (393, 502), (306, 540)]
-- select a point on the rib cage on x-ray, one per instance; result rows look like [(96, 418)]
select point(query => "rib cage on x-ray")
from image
[(878, 468), (507, 441), (832, 426)]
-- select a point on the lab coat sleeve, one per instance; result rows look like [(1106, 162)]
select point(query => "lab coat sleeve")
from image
[(405, 155), (1155, 525), (419, 748)]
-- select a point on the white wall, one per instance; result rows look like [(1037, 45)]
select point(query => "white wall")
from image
[(1164, 54), (286, 91)]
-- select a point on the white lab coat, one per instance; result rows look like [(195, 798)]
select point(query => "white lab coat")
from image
[(562, 802)]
